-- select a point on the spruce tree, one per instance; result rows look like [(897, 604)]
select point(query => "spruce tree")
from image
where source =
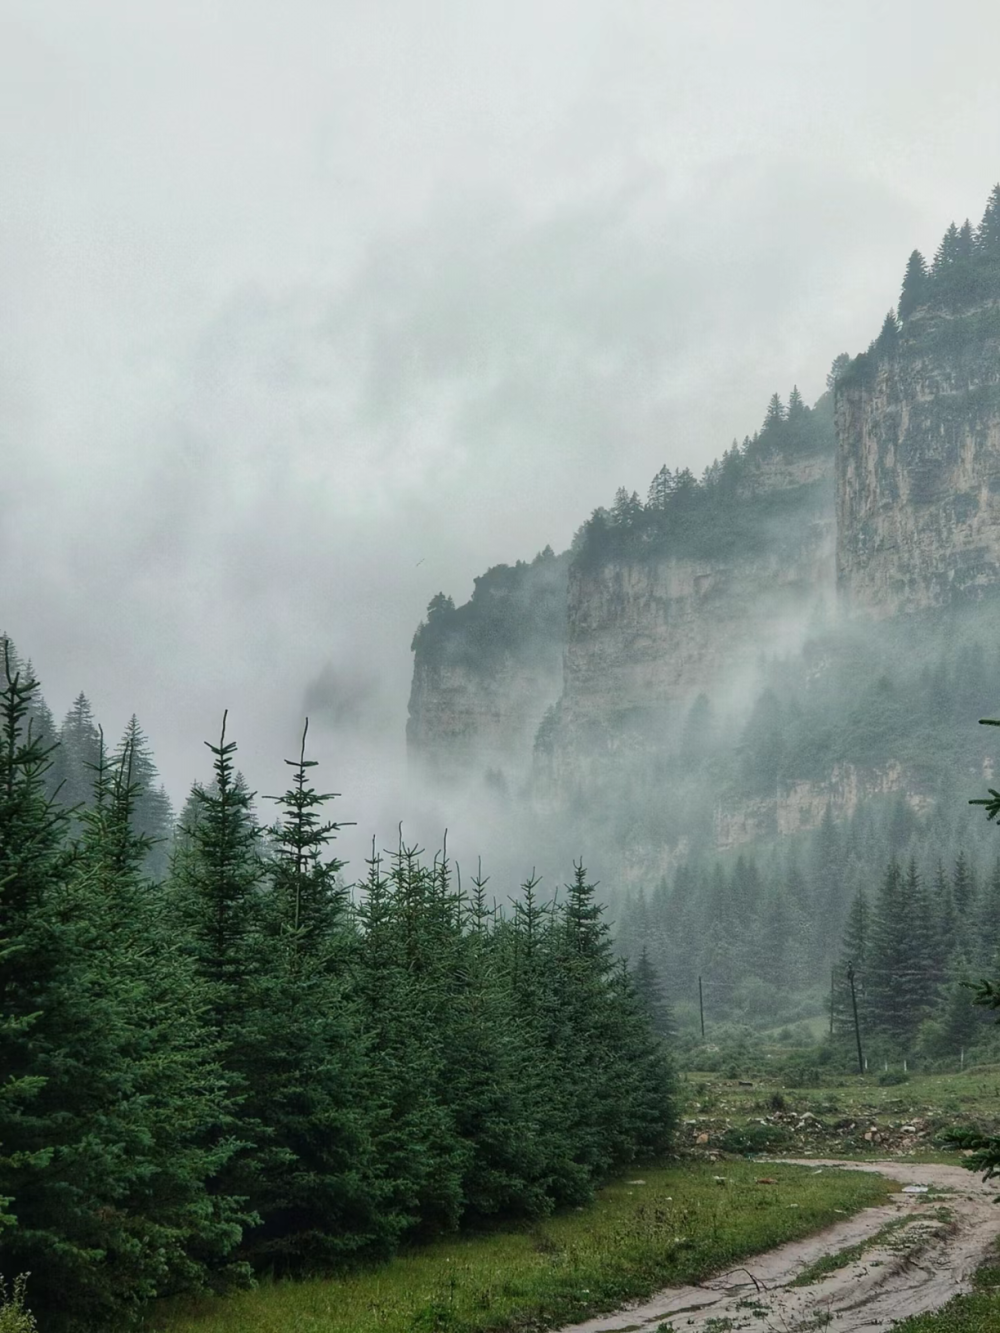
[(660, 489), (987, 953), (493, 1111), (964, 894), (319, 1196), (916, 288), (776, 413), (988, 232), (87, 1143), (403, 954), (217, 902), (79, 746), (855, 952), (164, 1100), (898, 968), (153, 815), (888, 338), (945, 256), (649, 993)]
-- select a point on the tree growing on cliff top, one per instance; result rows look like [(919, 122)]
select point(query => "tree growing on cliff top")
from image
[(988, 233), (775, 411), (916, 286)]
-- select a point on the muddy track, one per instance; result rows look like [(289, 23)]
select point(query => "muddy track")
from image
[(934, 1244)]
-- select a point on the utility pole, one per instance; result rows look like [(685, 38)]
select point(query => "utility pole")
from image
[(833, 973), (857, 1026), (701, 1009)]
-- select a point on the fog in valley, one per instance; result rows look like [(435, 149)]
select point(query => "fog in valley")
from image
[(308, 313), (587, 415)]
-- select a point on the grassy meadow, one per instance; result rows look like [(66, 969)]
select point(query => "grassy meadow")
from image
[(661, 1226)]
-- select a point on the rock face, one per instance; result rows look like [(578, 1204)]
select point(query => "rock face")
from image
[(584, 670), (918, 472), (650, 630), (484, 673), (643, 634), (801, 806), (468, 723)]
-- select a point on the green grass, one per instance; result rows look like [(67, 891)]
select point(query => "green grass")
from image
[(680, 1225)]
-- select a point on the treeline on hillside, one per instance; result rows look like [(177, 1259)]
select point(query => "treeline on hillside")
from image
[(712, 516), (69, 777), (964, 272), (239, 1068), (887, 705), (915, 944), (764, 931), (515, 611)]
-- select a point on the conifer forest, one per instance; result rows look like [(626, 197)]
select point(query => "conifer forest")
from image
[(499, 667), (233, 1066)]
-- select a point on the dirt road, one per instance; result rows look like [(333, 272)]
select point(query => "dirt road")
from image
[(917, 1252)]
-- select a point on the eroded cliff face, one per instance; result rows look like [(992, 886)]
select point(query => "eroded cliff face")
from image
[(646, 636), (918, 474), (485, 673), (465, 723), (799, 807)]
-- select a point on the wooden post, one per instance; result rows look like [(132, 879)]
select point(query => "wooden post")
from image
[(857, 1026), (701, 1009)]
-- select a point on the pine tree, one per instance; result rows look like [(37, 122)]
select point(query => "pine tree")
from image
[(79, 746), (610, 1069), (626, 510), (916, 287), (898, 968), (402, 958), (965, 894), (988, 233), (947, 922), (319, 1198), (153, 815), (165, 1102), (987, 954), (776, 413), (796, 406), (216, 897), (649, 993), (839, 368), (946, 254), (855, 952), (965, 241), (90, 1137), (762, 744), (660, 489), (888, 337), (494, 1112)]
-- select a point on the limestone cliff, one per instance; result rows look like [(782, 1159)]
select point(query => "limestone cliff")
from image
[(887, 508), (685, 604), (484, 673), (918, 473)]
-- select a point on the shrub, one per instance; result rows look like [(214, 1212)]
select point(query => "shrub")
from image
[(14, 1317)]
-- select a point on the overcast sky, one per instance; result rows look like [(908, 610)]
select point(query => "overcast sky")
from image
[(310, 309)]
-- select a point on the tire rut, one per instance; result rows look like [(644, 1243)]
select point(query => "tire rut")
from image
[(919, 1266)]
